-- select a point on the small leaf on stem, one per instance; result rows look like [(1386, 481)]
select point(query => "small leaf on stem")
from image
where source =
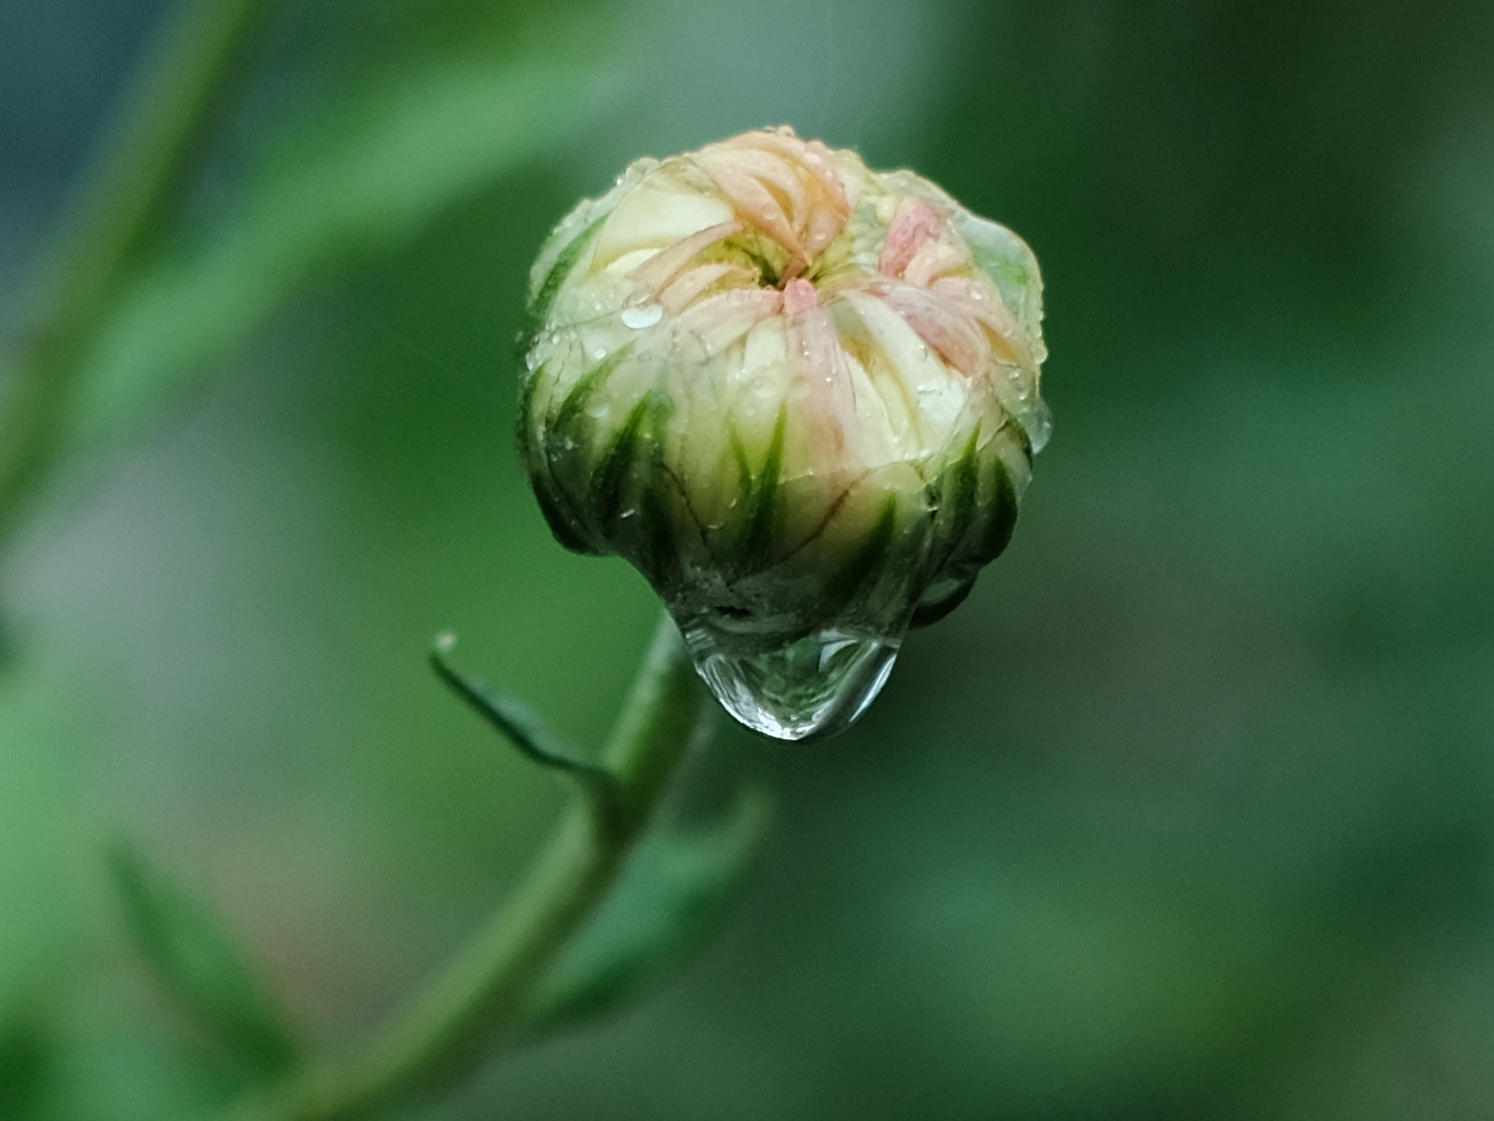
[(522, 727)]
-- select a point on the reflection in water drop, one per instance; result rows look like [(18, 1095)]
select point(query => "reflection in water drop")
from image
[(813, 688)]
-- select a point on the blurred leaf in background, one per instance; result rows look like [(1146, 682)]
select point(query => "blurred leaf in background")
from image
[(357, 182), (1187, 813), (197, 961)]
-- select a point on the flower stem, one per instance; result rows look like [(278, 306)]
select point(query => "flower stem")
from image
[(168, 119), (456, 1023)]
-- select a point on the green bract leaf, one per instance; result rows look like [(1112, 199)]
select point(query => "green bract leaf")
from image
[(660, 910), (523, 728), (194, 957), (360, 182)]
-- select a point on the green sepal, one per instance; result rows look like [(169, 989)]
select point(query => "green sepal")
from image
[(558, 517), (605, 492), (576, 400), (950, 579), (761, 503), (537, 310), (1001, 516), (963, 488), (563, 445), (843, 587), (958, 493), (529, 383), (665, 903), (659, 549), (744, 468), (193, 956), (566, 527), (1023, 439), (934, 608), (659, 554)]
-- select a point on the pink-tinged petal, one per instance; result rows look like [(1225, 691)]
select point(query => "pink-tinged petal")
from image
[(826, 194), (983, 304), (813, 157), (914, 225), (944, 326), (688, 285), (776, 174), (754, 204), (718, 321), (830, 403), (933, 260), (660, 269), (799, 295), (822, 227)]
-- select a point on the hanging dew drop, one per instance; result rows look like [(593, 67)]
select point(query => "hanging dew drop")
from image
[(810, 689)]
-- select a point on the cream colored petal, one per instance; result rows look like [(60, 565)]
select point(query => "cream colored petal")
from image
[(933, 393), (688, 285), (716, 322), (663, 266), (656, 213)]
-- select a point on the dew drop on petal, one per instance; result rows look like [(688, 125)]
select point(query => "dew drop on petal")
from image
[(642, 315), (812, 688), (1039, 424)]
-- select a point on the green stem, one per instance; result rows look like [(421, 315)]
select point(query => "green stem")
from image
[(483, 994), (168, 119)]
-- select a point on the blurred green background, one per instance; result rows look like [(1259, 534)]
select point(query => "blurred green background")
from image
[(1188, 813)]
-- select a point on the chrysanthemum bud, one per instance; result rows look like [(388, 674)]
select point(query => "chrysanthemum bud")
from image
[(799, 395)]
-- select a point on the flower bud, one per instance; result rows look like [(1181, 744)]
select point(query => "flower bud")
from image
[(800, 396)]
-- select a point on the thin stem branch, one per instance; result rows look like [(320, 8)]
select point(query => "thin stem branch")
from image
[(183, 90), (452, 1026)]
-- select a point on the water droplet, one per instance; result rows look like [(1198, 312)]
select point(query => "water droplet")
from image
[(599, 353), (810, 689), (763, 387), (642, 315), (1038, 422)]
